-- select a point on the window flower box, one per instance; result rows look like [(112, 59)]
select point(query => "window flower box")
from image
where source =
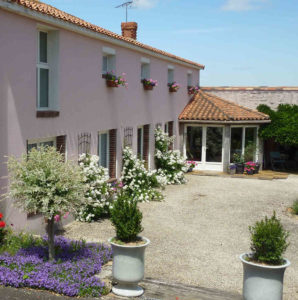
[(173, 87), (192, 90), (149, 84), (113, 80)]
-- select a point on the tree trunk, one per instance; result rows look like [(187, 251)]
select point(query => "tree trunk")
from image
[(51, 234)]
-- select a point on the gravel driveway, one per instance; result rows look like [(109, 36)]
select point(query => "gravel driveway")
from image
[(198, 232)]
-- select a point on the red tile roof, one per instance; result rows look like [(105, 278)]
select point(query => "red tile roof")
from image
[(250, 88), (59, 14), (207, 107)]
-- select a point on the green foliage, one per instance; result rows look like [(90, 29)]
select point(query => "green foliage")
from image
[(41, 182), (284, 124), (126, 218), (268, 241), (14, 242), (237, 159), (295, 207), (250, 152)]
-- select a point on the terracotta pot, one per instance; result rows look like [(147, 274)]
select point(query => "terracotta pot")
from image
[(172, 90), (148, 87), (111, 83)]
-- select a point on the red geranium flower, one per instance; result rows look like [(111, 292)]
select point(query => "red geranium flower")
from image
[(2, 224), (1, 216)]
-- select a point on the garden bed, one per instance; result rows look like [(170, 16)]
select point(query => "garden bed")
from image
[(24, 263)]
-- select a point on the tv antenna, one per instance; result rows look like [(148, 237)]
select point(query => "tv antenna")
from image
[(126, 5)]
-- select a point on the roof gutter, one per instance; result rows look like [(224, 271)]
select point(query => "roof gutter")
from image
[(226, 122), (27, 12)]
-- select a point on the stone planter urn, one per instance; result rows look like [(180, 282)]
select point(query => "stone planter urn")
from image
[(111, 83), (262, 282), (128, 268)]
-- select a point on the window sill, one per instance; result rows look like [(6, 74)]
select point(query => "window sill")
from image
[(47, 114)]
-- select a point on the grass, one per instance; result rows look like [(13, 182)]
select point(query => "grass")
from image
[(295, 207)]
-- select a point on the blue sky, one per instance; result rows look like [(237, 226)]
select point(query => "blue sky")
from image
[(241, 42)]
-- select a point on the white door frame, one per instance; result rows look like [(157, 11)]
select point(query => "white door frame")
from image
[(203, 164)]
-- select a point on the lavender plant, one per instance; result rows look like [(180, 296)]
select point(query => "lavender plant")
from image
[(41, 182), (72, 274)]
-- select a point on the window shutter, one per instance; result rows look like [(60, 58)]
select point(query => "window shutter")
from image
[(146, 143), (113, 152), (61, 144), (171, 131)]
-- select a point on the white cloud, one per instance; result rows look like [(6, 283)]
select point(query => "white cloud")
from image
[(241, 5), (144, 4)]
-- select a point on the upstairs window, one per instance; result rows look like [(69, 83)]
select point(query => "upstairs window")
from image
[(170, 74), (145, 68), (108, 60), (189, 79), (43, 70)]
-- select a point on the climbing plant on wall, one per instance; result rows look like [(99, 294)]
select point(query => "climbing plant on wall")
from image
[(283, 128)]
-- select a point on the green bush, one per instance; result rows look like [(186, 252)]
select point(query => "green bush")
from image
[(295, 207), (268, 241), (126, 218)]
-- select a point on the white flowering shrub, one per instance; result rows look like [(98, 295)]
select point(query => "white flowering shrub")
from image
[(139, 183), (170, 164), (99, 193)]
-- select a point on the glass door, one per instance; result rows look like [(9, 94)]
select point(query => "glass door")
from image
[(214, 144), (194, 142)]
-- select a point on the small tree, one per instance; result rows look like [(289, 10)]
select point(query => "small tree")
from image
[(41, 182)]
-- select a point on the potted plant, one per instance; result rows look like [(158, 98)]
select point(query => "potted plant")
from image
[(250, 168), (239, 162), (128, 248), (257, 168), (192, 90), (232, 169), (191, 164), (263, 269), (113, 80), (173, 87), (149, 84)]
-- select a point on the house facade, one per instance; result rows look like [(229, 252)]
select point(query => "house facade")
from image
[(53, 90)]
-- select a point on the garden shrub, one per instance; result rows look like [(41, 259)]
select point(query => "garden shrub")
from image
[(295, 207), (169, 163), (268, 241), (126, 218), (139, 183), (42, 182), (99, 193)]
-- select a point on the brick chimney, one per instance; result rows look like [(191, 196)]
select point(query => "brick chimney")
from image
[(129, 30)]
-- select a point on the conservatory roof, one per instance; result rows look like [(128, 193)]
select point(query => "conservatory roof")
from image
[(208, 107)]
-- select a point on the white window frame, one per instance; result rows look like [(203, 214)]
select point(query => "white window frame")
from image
[(38, 142), (145, 63), (171, 74), (189, 78), (110, 53), (42, 65), (108, 147), (142, 141), (243, 139)]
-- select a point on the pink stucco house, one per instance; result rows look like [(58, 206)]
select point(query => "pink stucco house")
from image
[(53, 91)]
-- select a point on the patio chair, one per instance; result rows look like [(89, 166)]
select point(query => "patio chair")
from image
[(277, 163)]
